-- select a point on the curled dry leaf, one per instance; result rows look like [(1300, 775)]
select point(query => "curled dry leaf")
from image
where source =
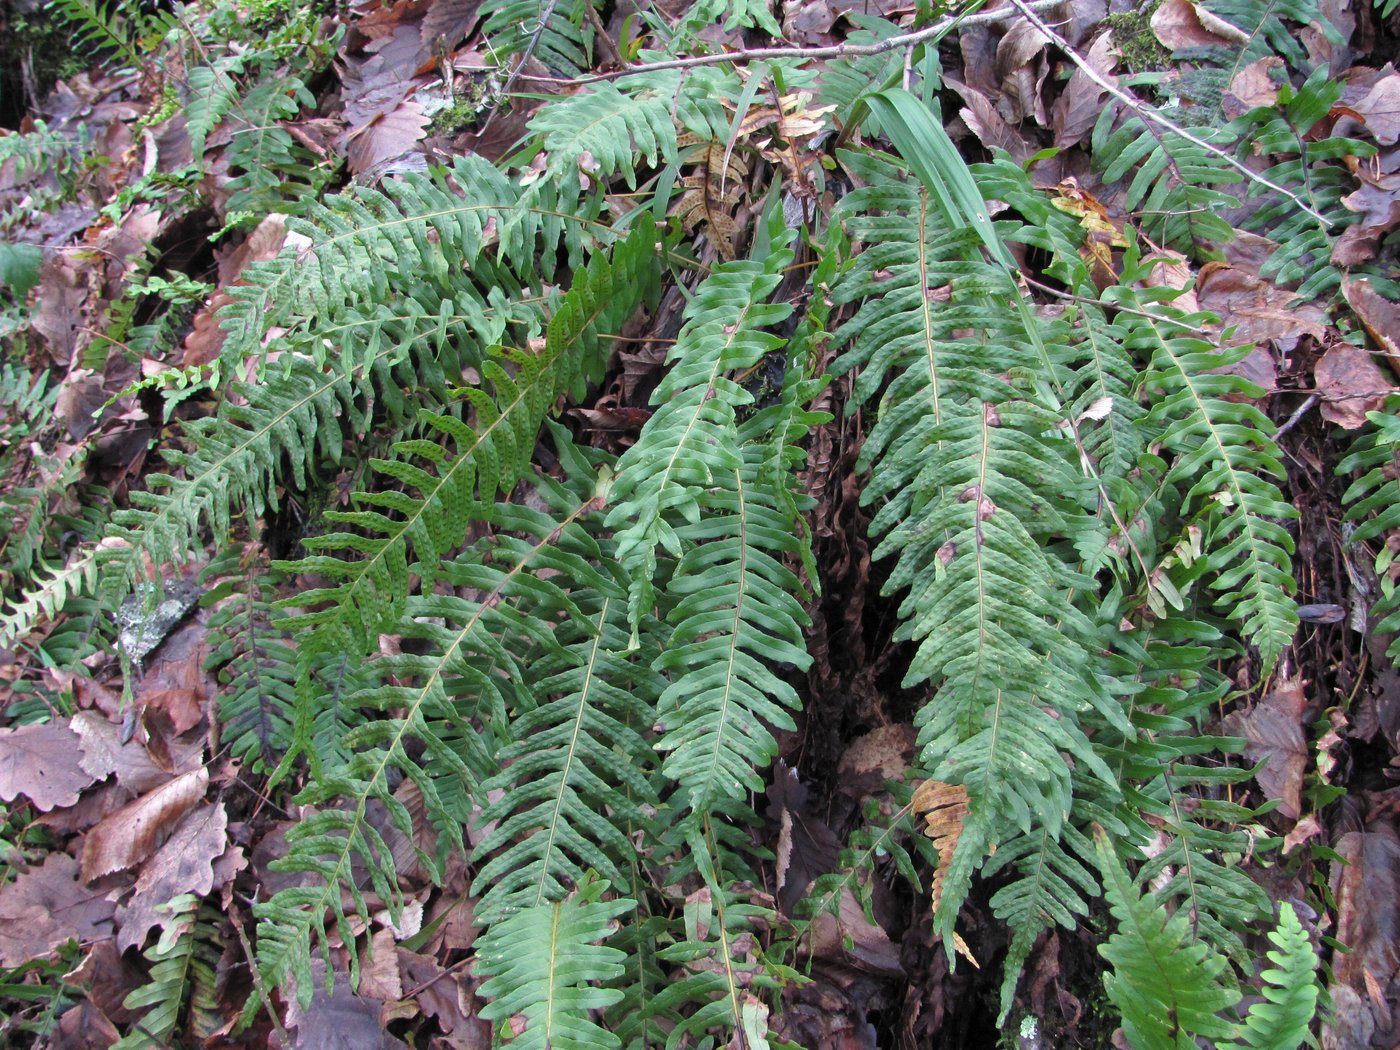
[(42, 763), (1257, 309), (1179, 23), (46, 907), (103, 754), (135, 831)]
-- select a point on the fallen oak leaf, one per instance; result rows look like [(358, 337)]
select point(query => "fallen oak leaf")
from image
[(44, 764), (137, 830), (183, 864), (48, 906)]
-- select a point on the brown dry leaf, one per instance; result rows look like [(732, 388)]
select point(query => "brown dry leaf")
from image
[(84, 1027), (387, 136), (1077, 110), (62, 291), (104, 754), (340, 1020), (984, 121), (1378, 315), (1381, 108), (1021, 70), (1179, 24), (945, 810), (42, 763), (1253, 86), (1379, 208), (1350, 384), (184, 864), (853, 939), (1367, 891), (379, 968), (1104, 234), (881, 754), (135, 831), (45, 907), (1274, 735), (1257, 309)]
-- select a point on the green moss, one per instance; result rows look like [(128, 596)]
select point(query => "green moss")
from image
[(1135, 40)]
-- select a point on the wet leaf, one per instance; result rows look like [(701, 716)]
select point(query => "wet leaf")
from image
[(1350, 384), (183, 864)]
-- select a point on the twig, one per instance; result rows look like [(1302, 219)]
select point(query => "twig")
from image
[(1296, 417), (758, 54), (1146, 112), (1118, 307), (533, 43)]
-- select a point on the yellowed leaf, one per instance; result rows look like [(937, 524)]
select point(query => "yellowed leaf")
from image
[(945, 810)]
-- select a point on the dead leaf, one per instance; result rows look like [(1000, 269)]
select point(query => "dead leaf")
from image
[(1257, 309), (945, 810), (387, 136), (1077, 110), (1378, 315), (852, 938), (184, 864), (42, 763), (446, 997), (868, 761), (984, 121), (1179, 24), (84, 1027), (1381, 109), (137, 830), (48, 906), (1350, 384), (339, 1021), (1274, 735), (1366, 885), (104, 754), (1253, 86)]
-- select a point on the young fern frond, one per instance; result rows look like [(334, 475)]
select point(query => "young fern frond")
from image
[(48, 593), (1168, 989), (1282, 1021)]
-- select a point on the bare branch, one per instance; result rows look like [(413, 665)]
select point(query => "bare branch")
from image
[(1146, 112)]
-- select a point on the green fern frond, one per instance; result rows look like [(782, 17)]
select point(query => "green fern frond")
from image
[(544, 965), (1168, 989), (1282, 1020), (1225, 457), (472, 651), (274, 172), (1373, 505), (691, 442), (573, 782), (182, 972), (617, 124), (519, 388), (558, 33), (213, 94)]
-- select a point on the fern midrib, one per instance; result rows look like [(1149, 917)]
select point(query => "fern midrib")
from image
[(925, 312), (557, 816), (1127, 893), (733, 656)]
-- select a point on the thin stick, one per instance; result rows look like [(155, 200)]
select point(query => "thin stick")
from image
[(1146, 112), (758, 54)]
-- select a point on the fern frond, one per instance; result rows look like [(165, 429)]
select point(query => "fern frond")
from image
[(1225, 456), (48, 594), (183, 971), (1282, 1020), (544, 964), (617, 124), (472, 650), (1373, 504), (572, 784), (691, 442), (492, 454), (1168, 989)]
